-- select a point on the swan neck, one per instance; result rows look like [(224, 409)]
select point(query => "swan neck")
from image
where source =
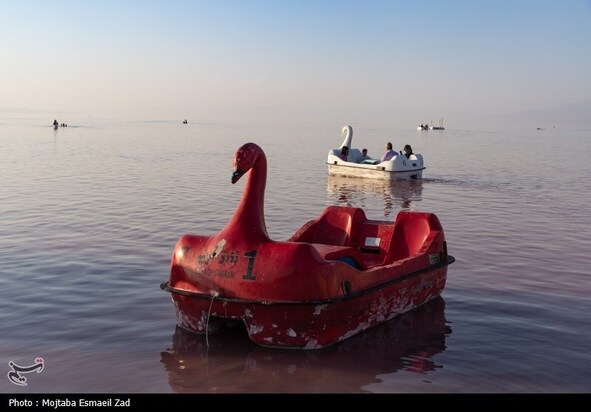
[(348, 133), (250, 214)]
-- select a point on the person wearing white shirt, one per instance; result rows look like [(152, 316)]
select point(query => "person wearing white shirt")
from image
[(389, 153)]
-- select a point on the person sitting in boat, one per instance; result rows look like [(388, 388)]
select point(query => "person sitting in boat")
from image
[(364, 155), (389, 153), (407, 151), (55, 123), (344, 153), (365, 158)]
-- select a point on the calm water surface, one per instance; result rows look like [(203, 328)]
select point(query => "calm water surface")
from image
[(89, 215)]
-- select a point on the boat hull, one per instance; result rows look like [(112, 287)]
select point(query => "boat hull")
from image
[(338, 275), (310, 324), (368, 171)]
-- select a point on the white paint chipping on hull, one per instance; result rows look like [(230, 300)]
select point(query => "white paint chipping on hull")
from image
[(253, 329), (318, 309)]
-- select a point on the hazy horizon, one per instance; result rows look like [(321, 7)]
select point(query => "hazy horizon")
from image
[(307, 62)]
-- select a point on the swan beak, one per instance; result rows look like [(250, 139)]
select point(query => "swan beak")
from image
[(236, 175)]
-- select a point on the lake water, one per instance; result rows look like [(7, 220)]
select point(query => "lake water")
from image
[(89, 215)]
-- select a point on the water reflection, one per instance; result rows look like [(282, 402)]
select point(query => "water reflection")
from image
[(233, 364), (356, 191)]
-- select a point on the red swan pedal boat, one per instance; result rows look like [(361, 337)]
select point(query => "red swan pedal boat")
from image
[(337, 276)]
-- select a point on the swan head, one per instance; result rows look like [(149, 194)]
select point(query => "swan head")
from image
[(244, 159), (347, 131)]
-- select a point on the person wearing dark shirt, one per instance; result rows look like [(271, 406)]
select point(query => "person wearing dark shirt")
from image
[(407, 151), (344, 153)]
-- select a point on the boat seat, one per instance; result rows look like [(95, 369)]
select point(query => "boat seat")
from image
[(373, 241), (410, 234), (336, 226), (354, 156), (382, 243)]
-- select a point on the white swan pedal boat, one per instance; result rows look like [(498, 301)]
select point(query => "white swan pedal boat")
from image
[(399, 167)]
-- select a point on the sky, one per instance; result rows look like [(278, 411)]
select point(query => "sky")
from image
[(292, 62)]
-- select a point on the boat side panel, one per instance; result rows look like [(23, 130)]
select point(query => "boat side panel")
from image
[(312, 326), (373, 172)]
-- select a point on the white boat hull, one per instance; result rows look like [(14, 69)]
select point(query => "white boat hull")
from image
[(407, 169)]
